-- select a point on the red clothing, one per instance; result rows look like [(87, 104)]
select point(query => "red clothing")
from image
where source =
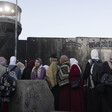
[(76, 95), (64, 89), (64, 98), (5, 107)]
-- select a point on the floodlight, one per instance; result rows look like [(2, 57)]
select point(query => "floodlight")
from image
[(12, 11), (1, 9), (7, 8)]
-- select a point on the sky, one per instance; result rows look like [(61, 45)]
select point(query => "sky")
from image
[(65, 18)]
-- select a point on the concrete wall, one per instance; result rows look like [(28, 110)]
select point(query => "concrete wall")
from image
[(78, 48), (32, 96), (44, 47), (103, 45)]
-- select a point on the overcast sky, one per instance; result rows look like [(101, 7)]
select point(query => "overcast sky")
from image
[(65, 18)]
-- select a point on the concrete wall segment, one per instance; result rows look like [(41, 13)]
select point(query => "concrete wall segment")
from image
[(32, 96)]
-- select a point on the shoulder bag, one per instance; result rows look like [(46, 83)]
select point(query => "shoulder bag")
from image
[(106, 79), (74, 84)]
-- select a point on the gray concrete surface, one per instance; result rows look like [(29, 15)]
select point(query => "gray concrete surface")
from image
[(32, 96)]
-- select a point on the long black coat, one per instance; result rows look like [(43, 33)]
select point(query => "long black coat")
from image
[(26, 73), (92, 100), (107, 95)]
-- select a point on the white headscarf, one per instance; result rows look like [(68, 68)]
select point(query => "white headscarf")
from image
[(74, 61), (46, 67), (94, 54), (12, 60)]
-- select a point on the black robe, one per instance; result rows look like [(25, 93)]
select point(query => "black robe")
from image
[(27, 73), (92, 98), (107, 95)]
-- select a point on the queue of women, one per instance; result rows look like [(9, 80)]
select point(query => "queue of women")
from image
[(69, 85)]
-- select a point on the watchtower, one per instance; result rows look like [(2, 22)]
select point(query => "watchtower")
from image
[(8, 19)]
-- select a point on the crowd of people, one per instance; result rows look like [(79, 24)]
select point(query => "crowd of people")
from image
[(73, 89)]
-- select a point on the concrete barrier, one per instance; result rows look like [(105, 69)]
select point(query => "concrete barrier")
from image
[(32, 96)]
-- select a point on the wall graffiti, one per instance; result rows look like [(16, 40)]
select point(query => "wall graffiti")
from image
[(100, 44), (66, 47), (31, 96), (75, 44)]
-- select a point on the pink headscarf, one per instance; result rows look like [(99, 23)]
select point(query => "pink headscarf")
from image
[(63, 58)]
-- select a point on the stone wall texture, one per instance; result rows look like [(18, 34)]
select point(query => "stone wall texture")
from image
[(32, 96), (79, 48)]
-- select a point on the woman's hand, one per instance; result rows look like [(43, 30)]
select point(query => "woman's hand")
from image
[(33, 68)]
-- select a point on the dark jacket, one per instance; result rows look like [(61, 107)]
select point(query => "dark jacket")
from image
[(17, 71), (107, 95)]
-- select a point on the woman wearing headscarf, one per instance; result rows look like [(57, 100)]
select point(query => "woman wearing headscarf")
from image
[(2, 66), (76, 94), (28, 69), (91, 96), (51, 77), (63, 82), (38, 71), (107, 95), (21, 66), (12, 65), (4, 106)]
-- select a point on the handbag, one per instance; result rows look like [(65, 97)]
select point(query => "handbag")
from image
[(74, 84), (106, 79)]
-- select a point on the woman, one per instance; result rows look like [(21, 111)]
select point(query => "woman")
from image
[(3, 63), (28, 69), (12, 65), (3, 101), (51, 78), (38, 71), (107, 95), (76, 95), (63, 81), (21, 66), (92, 97)]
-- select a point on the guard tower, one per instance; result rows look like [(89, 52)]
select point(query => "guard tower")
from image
[(7, 27)]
